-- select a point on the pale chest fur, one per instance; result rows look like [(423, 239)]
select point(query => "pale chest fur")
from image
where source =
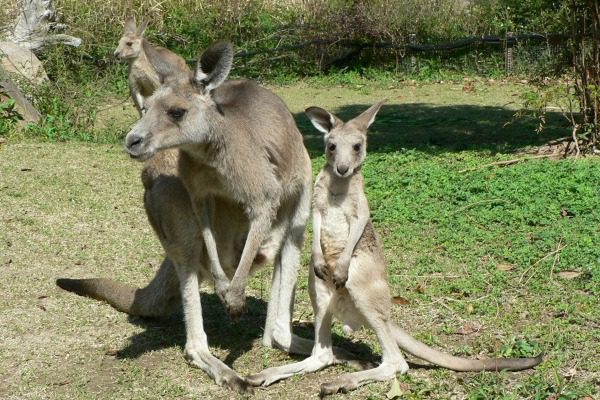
[(337, 202)]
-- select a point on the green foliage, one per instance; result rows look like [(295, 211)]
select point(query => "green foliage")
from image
[(187, 26), (8, 116), (517, 348)]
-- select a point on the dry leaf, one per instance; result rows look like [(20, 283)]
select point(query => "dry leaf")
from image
[(569, 274), (111, 352), (400, 300), (397, 389), (470, 309), (420, 288), (469, 87), (566, 213), (469, 328), (505, 267)]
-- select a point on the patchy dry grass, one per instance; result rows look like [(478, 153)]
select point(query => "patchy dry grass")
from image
[(75, 210)]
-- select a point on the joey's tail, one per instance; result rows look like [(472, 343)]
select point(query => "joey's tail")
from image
[(161, 297), (424, 352)]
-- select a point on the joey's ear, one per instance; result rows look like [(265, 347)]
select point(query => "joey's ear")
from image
[(142, 28), (322, 119), (364, 120), (213, 65), (130, 24)]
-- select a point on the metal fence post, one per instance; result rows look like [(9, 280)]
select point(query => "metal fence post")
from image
[(508, 53), (412, 39)]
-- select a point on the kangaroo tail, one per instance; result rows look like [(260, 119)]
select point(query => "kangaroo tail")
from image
[(424, 352), (160, 298)]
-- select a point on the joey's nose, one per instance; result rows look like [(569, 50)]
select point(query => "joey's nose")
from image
[(342, 169)]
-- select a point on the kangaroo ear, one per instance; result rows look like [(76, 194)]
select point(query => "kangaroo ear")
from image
[(142, 28), (214, 65), (364, 120), (130, 24), (322, 119)]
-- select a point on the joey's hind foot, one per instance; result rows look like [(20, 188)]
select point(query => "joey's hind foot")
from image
[(235, 303), (258, 379), (236, 383), (329, 388)]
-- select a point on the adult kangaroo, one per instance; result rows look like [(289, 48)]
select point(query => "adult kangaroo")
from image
[(149, 65), (228, 188), (348, 276)]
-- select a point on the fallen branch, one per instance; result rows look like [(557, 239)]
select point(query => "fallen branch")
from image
[(478, 203), (505, 163), (558, 249), (556, 258)]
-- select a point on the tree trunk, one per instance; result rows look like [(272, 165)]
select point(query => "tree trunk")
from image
[(37, 26)]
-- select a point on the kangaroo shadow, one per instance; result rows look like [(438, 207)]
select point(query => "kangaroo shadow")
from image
[(436, 129), (236, 336)]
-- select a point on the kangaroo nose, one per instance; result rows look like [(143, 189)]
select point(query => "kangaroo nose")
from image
[(342, 169), (133, 141)]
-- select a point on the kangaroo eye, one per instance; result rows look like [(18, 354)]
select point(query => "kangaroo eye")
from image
[(332, 147), (356, 147), (129, 44), (176, 113)]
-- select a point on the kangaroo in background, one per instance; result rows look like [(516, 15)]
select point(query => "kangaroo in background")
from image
[(149, 65), (348, 277), (227, 176)]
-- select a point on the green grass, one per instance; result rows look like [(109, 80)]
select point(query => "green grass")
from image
[(75, 209)]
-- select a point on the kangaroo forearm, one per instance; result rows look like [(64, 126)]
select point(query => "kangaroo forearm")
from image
[(253, 241), (216, 269), (357, 227), (203, 209), (317, 250)]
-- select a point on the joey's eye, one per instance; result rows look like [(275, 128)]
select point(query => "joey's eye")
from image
[(176, 113), (331, 147), (356, 147), (129, 44)]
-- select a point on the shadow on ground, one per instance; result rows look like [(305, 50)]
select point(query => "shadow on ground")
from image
[(236, 337), (436, 129)]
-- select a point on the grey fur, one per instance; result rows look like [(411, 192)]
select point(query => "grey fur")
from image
[(149, 66), (228, 185)]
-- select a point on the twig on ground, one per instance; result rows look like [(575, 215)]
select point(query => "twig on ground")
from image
[(438, 276), (558, 249), (108, 107), (478, 203), (556, 258), (505, 163)]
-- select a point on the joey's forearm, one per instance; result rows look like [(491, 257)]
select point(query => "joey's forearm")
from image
[(357, 228), (317, 251)]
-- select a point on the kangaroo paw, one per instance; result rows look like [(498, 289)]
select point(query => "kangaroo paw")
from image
[(340, 279), (235, 303)]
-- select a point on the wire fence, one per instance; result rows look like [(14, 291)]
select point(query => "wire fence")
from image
[(521, 54)]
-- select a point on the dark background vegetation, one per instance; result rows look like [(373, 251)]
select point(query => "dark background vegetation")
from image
[(281, 42)]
